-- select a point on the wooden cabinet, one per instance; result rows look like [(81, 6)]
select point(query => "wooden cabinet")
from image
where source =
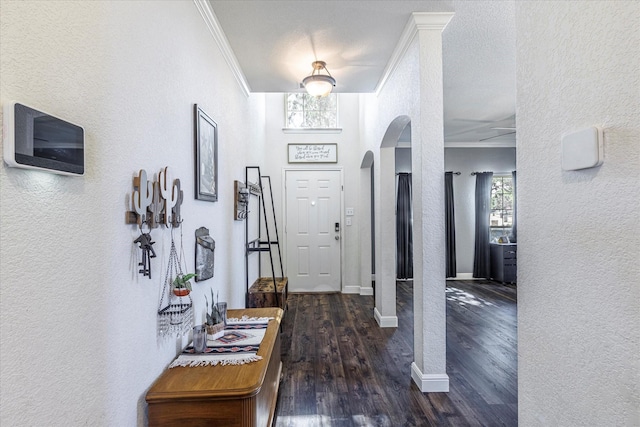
[(234, 395), (504, 262)]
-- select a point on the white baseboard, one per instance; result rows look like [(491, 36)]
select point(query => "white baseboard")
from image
[(357, 290), (434, 383), (366, 290), (351, 290), (464, 276), (385, 321)]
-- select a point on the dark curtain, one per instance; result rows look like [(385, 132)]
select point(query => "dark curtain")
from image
[(450, 224), (481, 262), (404, 228), (513, 238)]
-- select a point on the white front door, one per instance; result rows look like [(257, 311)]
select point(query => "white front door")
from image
[(313, 230)]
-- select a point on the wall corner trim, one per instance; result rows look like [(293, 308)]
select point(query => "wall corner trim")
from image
[(417, 21), (215, 29), (385, 321), (435, 383)]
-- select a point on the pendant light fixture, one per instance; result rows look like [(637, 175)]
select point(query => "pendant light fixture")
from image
[(318, 84)]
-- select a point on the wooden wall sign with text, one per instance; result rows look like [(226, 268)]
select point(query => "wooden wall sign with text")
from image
[(313, 153)]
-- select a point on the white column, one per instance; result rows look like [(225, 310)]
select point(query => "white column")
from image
[(385, 309), (429, 368), (364, 219)]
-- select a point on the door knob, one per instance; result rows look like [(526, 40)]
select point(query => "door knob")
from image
[(337, 237)]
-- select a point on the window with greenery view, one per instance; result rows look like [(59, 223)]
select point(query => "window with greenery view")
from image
[(501, 217), (308, 112)]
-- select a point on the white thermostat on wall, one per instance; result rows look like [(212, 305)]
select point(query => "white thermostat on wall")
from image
[(582, 149), (34, 139)]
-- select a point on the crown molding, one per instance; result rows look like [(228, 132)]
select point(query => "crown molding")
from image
[(215, 29), (431, 20), (418, 21)]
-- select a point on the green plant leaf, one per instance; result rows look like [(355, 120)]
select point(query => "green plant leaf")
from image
[(188, 276), (182, 281)]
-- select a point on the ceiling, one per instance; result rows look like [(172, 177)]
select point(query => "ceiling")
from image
[(275, 43)]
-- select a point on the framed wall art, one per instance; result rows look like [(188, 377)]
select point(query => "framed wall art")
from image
[(206, 170), (313, 153)]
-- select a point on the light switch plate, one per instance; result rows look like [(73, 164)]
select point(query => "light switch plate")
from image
[(349, 211), (582, 149)]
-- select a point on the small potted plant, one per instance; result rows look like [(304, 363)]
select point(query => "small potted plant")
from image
[(182, 285), (215, 320)]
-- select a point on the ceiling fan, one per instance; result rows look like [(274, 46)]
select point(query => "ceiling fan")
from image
[(504, 127)]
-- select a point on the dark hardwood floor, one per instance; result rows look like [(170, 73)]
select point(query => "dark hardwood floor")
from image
[(341, 369)]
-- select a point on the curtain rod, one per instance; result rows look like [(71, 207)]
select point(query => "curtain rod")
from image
[(455, 173), (495, 173), (400, 173)]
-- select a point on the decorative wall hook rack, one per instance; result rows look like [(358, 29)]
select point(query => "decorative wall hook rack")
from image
[(241, 201), (254, 188), (156, 202)]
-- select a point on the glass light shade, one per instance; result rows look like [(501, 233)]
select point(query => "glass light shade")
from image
[(319, 85)]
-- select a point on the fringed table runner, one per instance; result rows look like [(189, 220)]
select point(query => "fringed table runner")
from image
[(238, 345), (246, 320)]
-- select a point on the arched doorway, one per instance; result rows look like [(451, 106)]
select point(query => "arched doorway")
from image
[(385, 235), (428, 370)]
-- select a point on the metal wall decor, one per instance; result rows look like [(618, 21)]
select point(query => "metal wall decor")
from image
[(205, 250), (206, 142), (240, 201)]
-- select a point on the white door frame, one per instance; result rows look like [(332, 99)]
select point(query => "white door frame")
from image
[(284, 210)]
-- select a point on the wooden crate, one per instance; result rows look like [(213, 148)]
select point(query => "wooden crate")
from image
[(261, 293)]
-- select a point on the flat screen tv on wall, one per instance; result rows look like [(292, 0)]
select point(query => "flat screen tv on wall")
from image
[(34, 139)]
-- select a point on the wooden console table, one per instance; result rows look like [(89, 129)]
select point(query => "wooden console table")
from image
[(233, 395)]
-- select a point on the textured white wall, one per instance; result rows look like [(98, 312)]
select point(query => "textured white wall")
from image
[(403, 160), (77, 322), (578, 65), (348, 160), (465, 161)]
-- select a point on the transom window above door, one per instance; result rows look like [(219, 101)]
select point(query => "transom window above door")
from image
[(303, 111)]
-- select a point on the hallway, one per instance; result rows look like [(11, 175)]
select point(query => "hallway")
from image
[(341, 369)]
